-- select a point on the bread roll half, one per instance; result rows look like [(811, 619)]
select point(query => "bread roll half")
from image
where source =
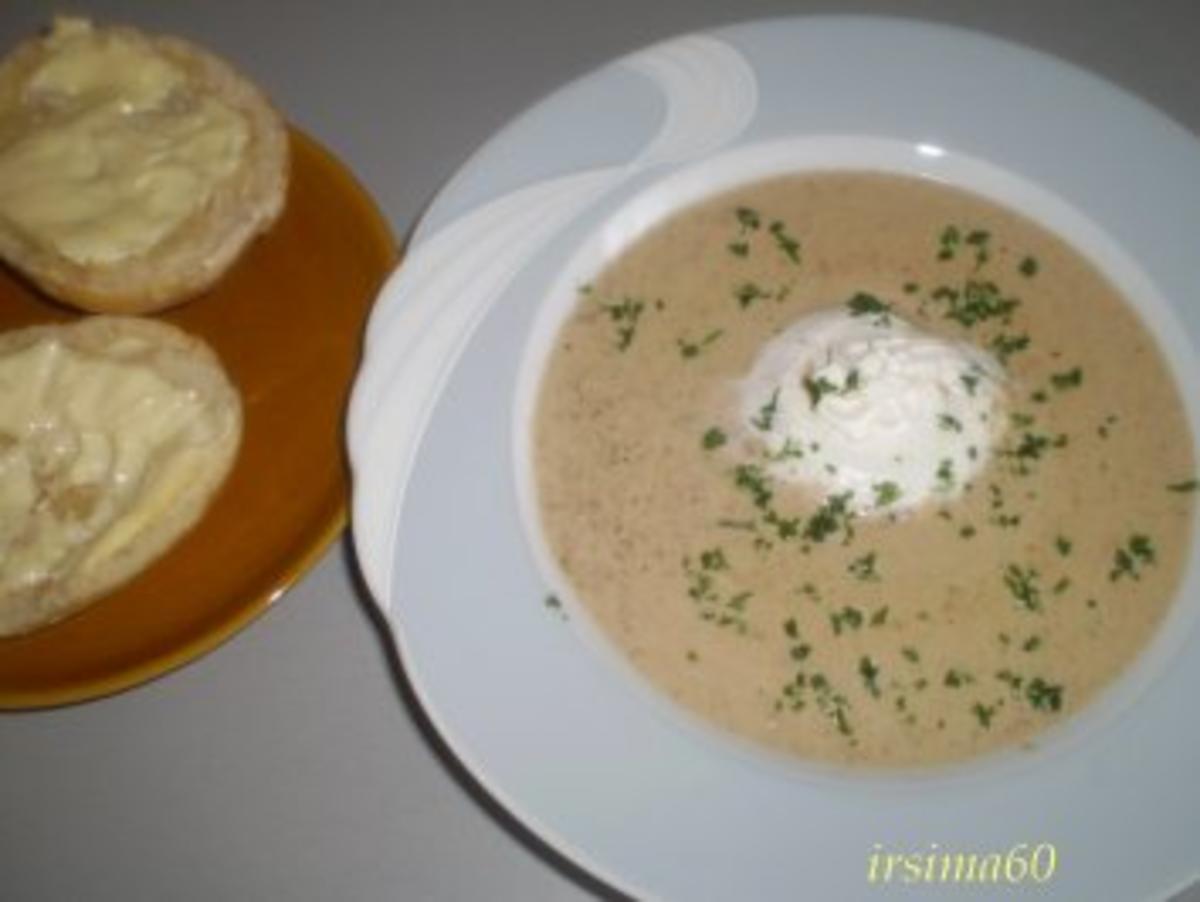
[(115, 433), (134, 169)]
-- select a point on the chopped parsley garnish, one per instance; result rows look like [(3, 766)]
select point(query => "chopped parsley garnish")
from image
[(948, 242), (785, 527), (998, 516), (879, 618), (1005, 345), (817, 389), (790, 450), (766, 413), (1129, 559), (1031, 447), (846, 618), (839, 717), (1189, 485), (949, 423), (863, 304), (863, 568), (699, 584), (747, 218), (1062, 545), (625, 315), (1033, 643), (751, 479), (886, 493), (945, 475), (956, 678), (793, 693), (785, 242), (832, 516), (1028, 267), (1022, 583), (970, 382), (749, 292), (748, 221), (979, 303), (869, 672), (910, 654), (689, 349), (952, 238), (1068, 379), (713, 438), (703, 588), (1044, 696), (978, 239), (984, 714)]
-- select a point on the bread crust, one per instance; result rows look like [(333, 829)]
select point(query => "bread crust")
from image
[(194, 255), (187, 363)]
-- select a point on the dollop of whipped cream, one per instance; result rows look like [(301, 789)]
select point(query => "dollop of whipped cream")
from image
[(869, 405)]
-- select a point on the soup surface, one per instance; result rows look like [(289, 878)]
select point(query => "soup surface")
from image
[(833, 626)]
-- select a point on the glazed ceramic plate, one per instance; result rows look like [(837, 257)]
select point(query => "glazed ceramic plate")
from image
[(287, 322), (542, 712)]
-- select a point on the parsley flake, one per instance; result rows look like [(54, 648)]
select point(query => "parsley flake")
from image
[(1071, 378), (886, 493), (714, 438), (785, 242), (766, 414), (1022, 582), (863, 568)]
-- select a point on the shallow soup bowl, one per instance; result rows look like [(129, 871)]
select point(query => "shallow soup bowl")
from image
[(544, 713)]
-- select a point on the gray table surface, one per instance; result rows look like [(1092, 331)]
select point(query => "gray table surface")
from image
[(292, 762)]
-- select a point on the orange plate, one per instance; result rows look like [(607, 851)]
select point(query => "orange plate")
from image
[(287, 322)]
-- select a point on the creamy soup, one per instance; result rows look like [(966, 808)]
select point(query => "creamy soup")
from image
[(865, 468)]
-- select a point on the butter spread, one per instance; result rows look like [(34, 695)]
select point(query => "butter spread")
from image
[(874, 408), (95, 449), (111, 147)]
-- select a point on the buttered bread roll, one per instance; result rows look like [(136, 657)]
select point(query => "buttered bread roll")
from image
[(134, 169), (115, 433)]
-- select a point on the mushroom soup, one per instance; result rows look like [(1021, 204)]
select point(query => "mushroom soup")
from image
[(865, 468)]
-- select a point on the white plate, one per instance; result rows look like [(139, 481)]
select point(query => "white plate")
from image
[(539, 710)]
